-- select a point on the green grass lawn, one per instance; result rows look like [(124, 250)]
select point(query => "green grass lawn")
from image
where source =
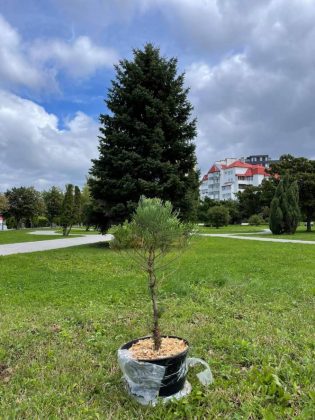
[(304, 236), (246, 308), (299, 234), (232, 229), (80, 231), (23, 235), (243, 230)]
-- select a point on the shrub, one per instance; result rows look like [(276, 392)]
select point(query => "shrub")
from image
[(218, 216), (255, 220)]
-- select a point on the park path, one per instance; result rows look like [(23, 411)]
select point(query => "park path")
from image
[(252, 238), (25, 247)]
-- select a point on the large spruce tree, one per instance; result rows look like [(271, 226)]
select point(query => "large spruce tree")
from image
[(146, 142)]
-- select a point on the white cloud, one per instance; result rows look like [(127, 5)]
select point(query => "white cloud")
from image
[(252, 89), (15, 66), (79, 58), (36, 64), (35, 151)]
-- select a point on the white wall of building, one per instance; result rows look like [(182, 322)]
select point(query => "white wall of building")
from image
[(222, 182)]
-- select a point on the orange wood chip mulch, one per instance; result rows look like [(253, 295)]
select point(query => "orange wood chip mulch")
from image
[(143, 349)]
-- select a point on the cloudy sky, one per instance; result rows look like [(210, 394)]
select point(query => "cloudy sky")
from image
[(250, 65)]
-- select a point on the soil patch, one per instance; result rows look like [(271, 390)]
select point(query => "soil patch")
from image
[(144, 349)]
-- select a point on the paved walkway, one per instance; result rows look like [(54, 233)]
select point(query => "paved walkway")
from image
[(25, 247), (252, 238)]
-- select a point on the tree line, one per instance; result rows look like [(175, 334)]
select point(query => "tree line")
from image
[(27, 207)]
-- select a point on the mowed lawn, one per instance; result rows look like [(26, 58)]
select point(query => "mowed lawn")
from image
[(300, 234), (247, 308), (24, 235)]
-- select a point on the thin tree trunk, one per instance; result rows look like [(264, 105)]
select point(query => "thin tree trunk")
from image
[(309, 224), (69, 230), (152, 287)]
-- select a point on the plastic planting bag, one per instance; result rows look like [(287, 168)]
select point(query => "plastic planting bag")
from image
[(144, 379)]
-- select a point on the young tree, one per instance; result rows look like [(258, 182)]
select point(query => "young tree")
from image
[(146, 139), (24, 204), (77, 207), (67, 211), (154, 231), (53, 199), (218, 216), (87, 207), (4, 204)]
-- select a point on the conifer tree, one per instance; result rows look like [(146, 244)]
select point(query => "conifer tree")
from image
[(67, 211), (77, 206), (276, 217), (146, 142), (284, 209), (303, 171)]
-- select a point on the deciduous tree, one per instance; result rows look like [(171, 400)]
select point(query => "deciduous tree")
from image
[(77, 206), (218, 216), (53, 199), (24, 204)]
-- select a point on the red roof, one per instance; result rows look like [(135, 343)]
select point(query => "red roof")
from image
[(259, 170), (240, 164), (251, 169), (213, 169)]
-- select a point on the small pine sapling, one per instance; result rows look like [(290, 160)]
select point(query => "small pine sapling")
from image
[(151, 238)]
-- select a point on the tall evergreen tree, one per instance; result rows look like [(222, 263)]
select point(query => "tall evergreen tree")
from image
[(303, 171), (77, 208), (276, 217), (284, 209), (67, 211), (146, 146)]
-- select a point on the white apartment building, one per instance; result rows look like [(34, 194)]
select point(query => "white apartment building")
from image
[(227, 177)]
